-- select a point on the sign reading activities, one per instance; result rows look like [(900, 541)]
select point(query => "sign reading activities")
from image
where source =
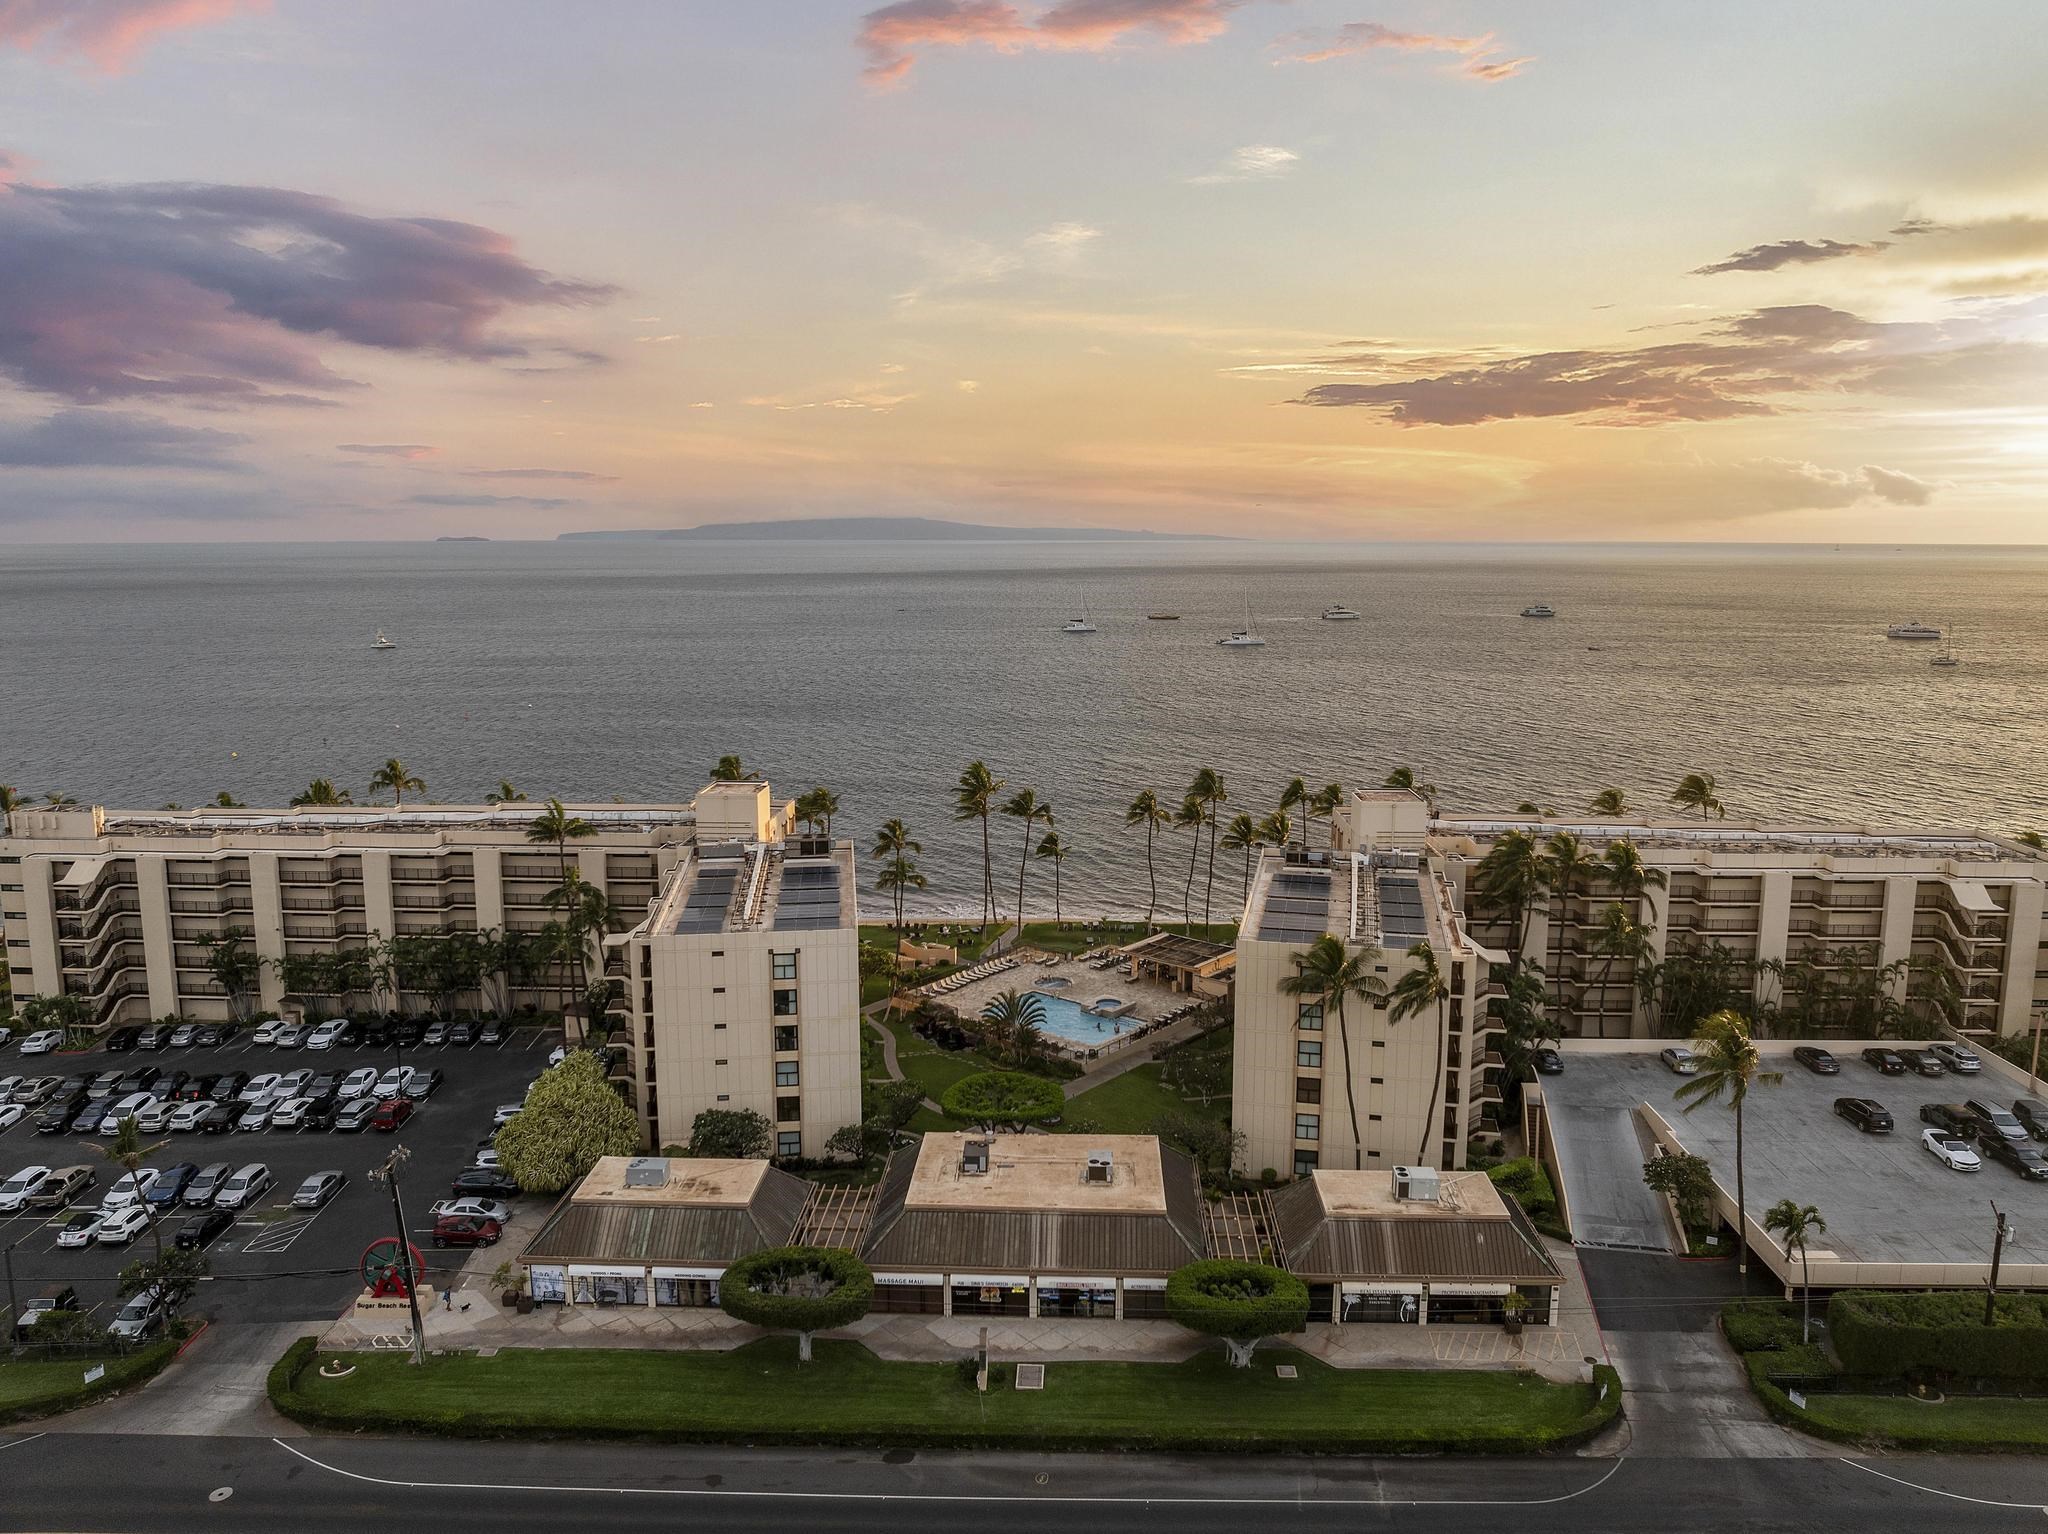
[(97, 1371)]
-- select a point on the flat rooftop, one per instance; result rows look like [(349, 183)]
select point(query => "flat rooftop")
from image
[(714, 1183), (1887, 1201), (1462, 1195), (1388, 898), (754, 886), (325, 825), (1044, 1174), (1750, 837)]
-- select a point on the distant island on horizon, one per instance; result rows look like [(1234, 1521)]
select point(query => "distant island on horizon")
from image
[(870, 529)]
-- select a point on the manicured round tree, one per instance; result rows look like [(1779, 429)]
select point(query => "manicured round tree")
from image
[(801, 1289), (989, 1098), (1240, 1302), (572, 1117)]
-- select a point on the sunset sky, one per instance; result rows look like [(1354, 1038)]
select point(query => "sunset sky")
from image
[(1458, 269)]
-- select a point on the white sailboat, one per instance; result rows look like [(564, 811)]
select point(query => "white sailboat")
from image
[(1539, 610), (1946, 656), (1079, 625), (1244, 638), (381, 643)]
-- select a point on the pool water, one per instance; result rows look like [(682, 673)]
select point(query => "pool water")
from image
[(1069, 1020), (1053, 983)]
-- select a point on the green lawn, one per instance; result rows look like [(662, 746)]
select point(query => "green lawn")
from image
[(760, 1394), (1078, 937), (1957, 1423), (1131, 1103), (32, 1387)]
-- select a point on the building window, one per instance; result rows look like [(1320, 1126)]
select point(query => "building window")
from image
[(785, 1001), (1308, 1126), (788, 1109), (1308, 1089), (785, 1038), (1309, 1052), (785, 1073), (1309, 1015), (1304, 1163), (789, 1143), (783, 965)]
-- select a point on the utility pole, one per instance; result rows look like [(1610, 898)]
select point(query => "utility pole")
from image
[(388, 1175), (2034, 1065), (2005, 1231), (13, 1306)]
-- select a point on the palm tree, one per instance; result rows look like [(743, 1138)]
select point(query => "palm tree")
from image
[(1695, 791), (1025, 805), (973, 799), (1729, 1066), (894, 844), (1146, 811), (395, 776), (59, 800), (1054, 850), (1569, 868), (1798, 1221), (10, 801), (586, 912), (731, 769), (322, 791), (1632, 877), (1208, 788), (1609, 801), (1242, 835), (1326, 801), (556, 824), (1422, 988), (2025, 838), (1620, 936), (1328, 973), (816, 809), (1404, 777), (1276, 829), (1190, 816), (1512, 877), (127, 1152), (1294, 798), (505, 793), (227, 801), (1008, 1018)]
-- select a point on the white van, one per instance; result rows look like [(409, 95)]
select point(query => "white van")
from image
[(244, 1188)]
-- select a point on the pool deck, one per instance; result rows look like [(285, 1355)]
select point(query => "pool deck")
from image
[(1148, 1002)]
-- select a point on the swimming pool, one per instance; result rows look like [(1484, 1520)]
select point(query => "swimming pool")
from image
[(1068, 1020), (1053, 983)]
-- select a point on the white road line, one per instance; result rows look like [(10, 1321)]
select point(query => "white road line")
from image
[(1936, 1491), (934, 1496), (17, 1443)]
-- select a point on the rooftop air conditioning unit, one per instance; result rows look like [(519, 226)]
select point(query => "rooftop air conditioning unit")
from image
[(814, 847), (974, 1158), (1417, 1184), (1101, 1164), (647, 1172)]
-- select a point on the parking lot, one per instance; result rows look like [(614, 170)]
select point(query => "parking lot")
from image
[(1886, 1200), (276, 1263)]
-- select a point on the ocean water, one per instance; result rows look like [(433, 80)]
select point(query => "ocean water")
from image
[(140, 675)]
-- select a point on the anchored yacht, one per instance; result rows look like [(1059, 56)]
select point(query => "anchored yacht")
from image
[(1244, 638), (1079, 625), (1539, 610), (381, 643), (1912, 631), (1337, 612)]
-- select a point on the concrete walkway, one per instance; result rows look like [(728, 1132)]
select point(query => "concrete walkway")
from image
[(215, 1389)]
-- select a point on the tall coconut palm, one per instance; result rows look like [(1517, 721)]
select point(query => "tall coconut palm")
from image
[(1619, 937), (1191, 816), (974, 799), (1512, 877), (1624, 867), (1242, 835), (586, 913), (1209, 790), (1404, 777), (1326, 801), (10, 801), (59, 801), (817, 808), (1569, 868), (1054, 851), (895, 846), (555, 823), (2032, 839), (1328, 973), (227, 801), (505, 793), (1422, 989), (322, 791), (1294, 798), (1729, 1065), (1696, 791), (1025, 805), (1796, 1222), (127, 1152), (395, 776), (1276, 830), (731, 769), (1146, 811), (1610, 802)]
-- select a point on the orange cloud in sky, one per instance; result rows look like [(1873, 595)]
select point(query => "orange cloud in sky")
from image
[(106, 33), (1371, 36), (893, 35)]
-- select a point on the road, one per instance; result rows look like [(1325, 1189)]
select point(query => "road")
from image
[(318, 1484)]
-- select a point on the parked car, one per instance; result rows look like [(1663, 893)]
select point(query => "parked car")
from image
[(168, 1190), (141, 1079), (131, 1189), (220, 1118), (1995, 1119), (290, 1035), (36, 1089), (8, 1084), (1960, 1058), (266, 1033), (506, 1113), (487, 1156), (126, 1108), (461, 1035), (257, 1088), (391, 1114), (103, 1085), (14, 1193), (155, 1036), (62, 1115), (244, 1187), (1679, 1059), (466, 1230), (375, 1034), (2020, 1155), (11, 1114), (2033, 1113), (56, 1297), (143, 1314), (393, 1081), (561, 1052), (122, 1226), (42, 1041), (206, 1183), (1817, 1060), (421, 1085), (154, 1116), (352, 1115), (1952, 1153), (317, 1189), (229, 1087), (121, 1039), (1951, 1118), (404, 1033), (289, 1114), (360, 1082), (187, 1117), (255, 1117), (81, 1228), (319, 1112), (1867, 1114), (483, 1182), (1548, 1062), (492, 1032), (1924, 1062), (211, 1034), (479, 1208), (171, 1085), (62, 1187), (326, 1036), (202, 1232), (290, 1084), (198, 1088), (184, 1035), (88, 1119)]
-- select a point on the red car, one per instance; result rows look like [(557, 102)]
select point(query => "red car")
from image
[(392, 1112), (466, 1230)]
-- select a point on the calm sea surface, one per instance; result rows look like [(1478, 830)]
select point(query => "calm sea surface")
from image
[(141, 675)]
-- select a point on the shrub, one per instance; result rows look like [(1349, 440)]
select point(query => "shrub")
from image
[(1940, 1335), (803, 1289), (989, 1098), (1240, 1302), (1757, 1326), (1525, 1178), (572, 1118)]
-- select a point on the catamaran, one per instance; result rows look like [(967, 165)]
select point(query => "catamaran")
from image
[(1244, 638), (1079, 625), (381, 643)]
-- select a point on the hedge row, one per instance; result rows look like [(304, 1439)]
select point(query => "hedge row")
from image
[(1756, 1326), (133, 1369), (1909, 1335)]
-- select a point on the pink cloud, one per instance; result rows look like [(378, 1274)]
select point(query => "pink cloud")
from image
[(1371, 37), (106, 33), (893, 36)]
